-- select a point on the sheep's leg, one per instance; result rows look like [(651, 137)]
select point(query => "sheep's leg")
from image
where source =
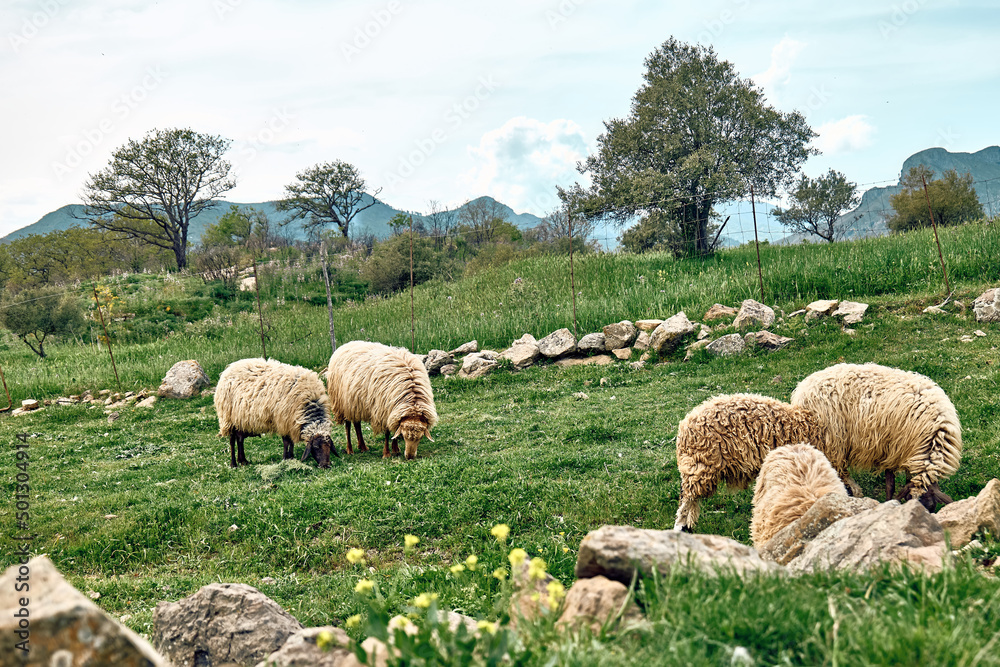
[(347, 428), (385, 448), (395, 446), (241, 457), (687, 513), (890, 484), (362, 447), (289, 452), (232, 450)]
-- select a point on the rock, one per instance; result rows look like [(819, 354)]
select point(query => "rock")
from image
[(718, 312), (767, 340), (796, 313), (467, 348), (104, 392), (580, 396), (669, 334), (694, 347), (17, 412), (754, 313), (596, 360), (29, 404), (377, 651), (622, 353), (529, 596), (476, 365), (987, 306), (618, 551), (183, 380), (964, 518), (593, 342), (852, 311), (594, 602), (449, 369), (300, 650), (221, 623), (704, 332), (66, 627), (888, 532), (637, 365), (557, 344), (112, 417), (523, 352), (642, 341), (821, 308), (934, 310), (436, 360), (980, 333), (727, 346), (647, 325), (619, 335), (146, 402), (789, 542)]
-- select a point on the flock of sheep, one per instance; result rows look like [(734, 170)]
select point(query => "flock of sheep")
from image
[(848, 416)]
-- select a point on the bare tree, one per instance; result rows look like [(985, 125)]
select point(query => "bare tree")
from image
[(482, 219), (440, 222), (331, 193)]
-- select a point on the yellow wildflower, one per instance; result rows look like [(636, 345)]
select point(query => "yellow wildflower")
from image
[(364, 586), (487, 626), (424, 600), (410, 541), (400, 622), (457, 568), (500, 573), (500, 531), (355, 556), (556, 593), (352, 621), (471, 562), (324, 640), (536, 568), (517, 556)]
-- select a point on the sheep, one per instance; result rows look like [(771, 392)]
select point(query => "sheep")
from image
[(886, 419), (257, 396), (791, 479), (385, 386), (726, 438)]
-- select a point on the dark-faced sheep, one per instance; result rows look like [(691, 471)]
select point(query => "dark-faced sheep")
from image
[(257, 396), (385, 386), (726, 439), (792, 478), (885, 419)]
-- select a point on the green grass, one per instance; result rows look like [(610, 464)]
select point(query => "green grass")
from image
[(142, 510)]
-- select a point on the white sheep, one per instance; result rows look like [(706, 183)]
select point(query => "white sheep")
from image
[(386, 386), (792, 478), (726, 439), (257, 396), (886, 419)]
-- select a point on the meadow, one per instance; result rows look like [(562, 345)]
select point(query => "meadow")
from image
[(147, 509)]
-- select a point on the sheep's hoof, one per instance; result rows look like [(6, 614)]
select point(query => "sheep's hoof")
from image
[(362, 448)]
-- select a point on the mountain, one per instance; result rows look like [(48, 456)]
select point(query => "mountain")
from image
[(372, 220)]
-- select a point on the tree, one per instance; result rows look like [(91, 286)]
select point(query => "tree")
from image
[(35, 314), (240, 226), (440, 222), (154, 187), (554, 231), (697, 135), (325, 194), (484, 220), (952, 197), (817, 203)]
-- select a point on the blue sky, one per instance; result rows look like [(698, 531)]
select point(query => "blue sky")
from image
[(448, 101)]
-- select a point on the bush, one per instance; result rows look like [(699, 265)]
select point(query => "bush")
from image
[(388, 268)]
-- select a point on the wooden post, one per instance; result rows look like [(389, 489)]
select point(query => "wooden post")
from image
[(260, 313), (413, 346), (944, 271), (572, 280), (10, 402), (760, 271), (329, 298), (106, 337)]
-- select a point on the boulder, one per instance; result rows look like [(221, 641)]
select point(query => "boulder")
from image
[(718, 312), (647, 325), (477, 365), (66, 627), (436, 360), (449, 369), (642, 341), (767, 340), (622, 353), (221, 623), (619, 335), (30, 404), (300, 650), (964, 518), (184, 380), (887, 533), (523, 352), (529, 596), (789, 542), (852, 311), (595, 601), (593, 342), (727, 346), (467, 348), (146, 402), (754, 313), (987, 306), (821, 308), (617, 552), (669, 334), (596, 360), (557, 344)]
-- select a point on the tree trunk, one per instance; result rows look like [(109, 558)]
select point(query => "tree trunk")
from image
[(329, 298)]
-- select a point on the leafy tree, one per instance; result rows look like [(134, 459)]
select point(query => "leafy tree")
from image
[(697, 134), (35, 314), (953, 200), (154, 187), (387, 269), (553, 232), (817, 203), (659, 231), (325, 194), (240, 226)]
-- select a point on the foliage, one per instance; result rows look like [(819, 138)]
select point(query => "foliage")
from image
[(241, 226), (817, 203), (440, 222), (553, 233), (952, 198), (35, 314), (697, 134), (153, 187), (484, 220), (325, 194), (387, 269)]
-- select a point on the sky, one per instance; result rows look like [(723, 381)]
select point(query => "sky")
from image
[(446, 101)]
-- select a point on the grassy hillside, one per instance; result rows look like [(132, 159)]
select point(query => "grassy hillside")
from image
[(147, 509)]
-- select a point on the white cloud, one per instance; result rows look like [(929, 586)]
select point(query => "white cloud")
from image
[(521, 162), (845, 135), (783, 55)]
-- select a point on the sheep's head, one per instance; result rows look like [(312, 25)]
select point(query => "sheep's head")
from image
[(413, 429), (319, 446)]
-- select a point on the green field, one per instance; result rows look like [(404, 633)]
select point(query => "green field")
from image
[(147, 508)]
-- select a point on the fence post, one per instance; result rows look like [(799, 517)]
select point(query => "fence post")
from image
[(106, 337), (260, 313), (413, 344), (944, 271), (760, 271), (329, 298), (572, 280), (10, 401)]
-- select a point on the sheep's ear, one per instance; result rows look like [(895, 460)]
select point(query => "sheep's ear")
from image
[(399, 430), (427, 434), (308, 450)]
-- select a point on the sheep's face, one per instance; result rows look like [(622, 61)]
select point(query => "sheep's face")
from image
[(413, 429), (319, 447)]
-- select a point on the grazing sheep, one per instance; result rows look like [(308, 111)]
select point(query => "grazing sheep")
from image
[(256, 396), (885, 419), (385, 386), (791, 479), (726, 439)]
